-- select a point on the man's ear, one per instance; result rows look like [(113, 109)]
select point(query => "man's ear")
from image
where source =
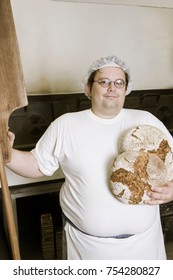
[(88, 90)]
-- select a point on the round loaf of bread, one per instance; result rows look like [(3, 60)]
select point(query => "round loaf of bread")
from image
[(133, 174), (150, 139)]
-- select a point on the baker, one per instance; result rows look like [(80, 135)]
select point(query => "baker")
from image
[(84, 144)]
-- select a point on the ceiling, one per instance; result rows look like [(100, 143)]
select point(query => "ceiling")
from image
[(140, 3)]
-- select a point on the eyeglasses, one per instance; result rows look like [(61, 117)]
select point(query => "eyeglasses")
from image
[(105, 83)]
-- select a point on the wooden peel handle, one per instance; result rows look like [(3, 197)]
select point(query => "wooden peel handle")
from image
[(12, 85), (9, 212), (4, 144), (12, 97)]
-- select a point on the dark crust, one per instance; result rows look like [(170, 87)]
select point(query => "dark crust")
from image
[(136, 181), (162, 151)]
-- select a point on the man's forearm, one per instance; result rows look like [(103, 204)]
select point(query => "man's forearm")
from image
[(24, 164)]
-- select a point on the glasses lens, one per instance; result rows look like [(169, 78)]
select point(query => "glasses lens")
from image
[(119, 83), (105, 83)]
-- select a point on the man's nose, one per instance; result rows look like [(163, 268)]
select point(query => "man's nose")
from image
[(112, 86)]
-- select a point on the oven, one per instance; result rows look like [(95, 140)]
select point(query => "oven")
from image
[(157, 102), (36, 202)]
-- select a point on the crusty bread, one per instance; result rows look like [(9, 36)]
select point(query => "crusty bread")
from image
[(151, 139), (133, 174)]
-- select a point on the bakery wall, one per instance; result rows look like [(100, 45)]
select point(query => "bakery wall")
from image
[(59, 40)]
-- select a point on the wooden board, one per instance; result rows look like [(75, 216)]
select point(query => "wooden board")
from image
[(12, 85)]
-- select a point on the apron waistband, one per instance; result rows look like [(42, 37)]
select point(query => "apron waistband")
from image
[(120, 236)]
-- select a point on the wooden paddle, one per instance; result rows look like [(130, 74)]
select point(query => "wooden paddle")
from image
[(12, 96)]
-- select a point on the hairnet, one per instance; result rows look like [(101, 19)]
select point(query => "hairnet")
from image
[(113, 61)]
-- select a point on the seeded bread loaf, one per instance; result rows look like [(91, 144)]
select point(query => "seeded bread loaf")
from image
[(133, 174), (150, 139)]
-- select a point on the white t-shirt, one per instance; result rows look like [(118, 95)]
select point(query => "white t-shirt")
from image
[(84, 146)]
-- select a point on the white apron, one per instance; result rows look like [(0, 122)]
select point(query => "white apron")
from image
[(148, 245)]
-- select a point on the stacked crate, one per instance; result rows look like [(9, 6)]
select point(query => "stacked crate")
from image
[(47, 237), (58, 243)]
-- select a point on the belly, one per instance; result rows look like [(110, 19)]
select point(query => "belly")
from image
[(100, 213)]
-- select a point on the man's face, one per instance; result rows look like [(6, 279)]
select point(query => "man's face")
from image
[(107, 101)]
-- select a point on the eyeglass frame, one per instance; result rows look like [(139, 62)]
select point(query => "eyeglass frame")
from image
[(92, 77), (110, 82)]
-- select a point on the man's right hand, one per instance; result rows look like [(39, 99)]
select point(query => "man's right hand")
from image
[(11, 138)]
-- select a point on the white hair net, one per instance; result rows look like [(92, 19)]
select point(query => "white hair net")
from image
[(113, 61)]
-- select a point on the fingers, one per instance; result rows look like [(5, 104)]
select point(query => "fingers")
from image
[(10, 134), (159, 190), (159, 195), (154, 201), (11, 137), (157, 198)]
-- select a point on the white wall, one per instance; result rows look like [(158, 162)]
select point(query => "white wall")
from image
[(59, 40)]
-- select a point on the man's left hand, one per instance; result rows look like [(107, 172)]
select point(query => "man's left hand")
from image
[(160, 195)]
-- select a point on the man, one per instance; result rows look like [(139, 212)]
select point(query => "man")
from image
[(84, 145)]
